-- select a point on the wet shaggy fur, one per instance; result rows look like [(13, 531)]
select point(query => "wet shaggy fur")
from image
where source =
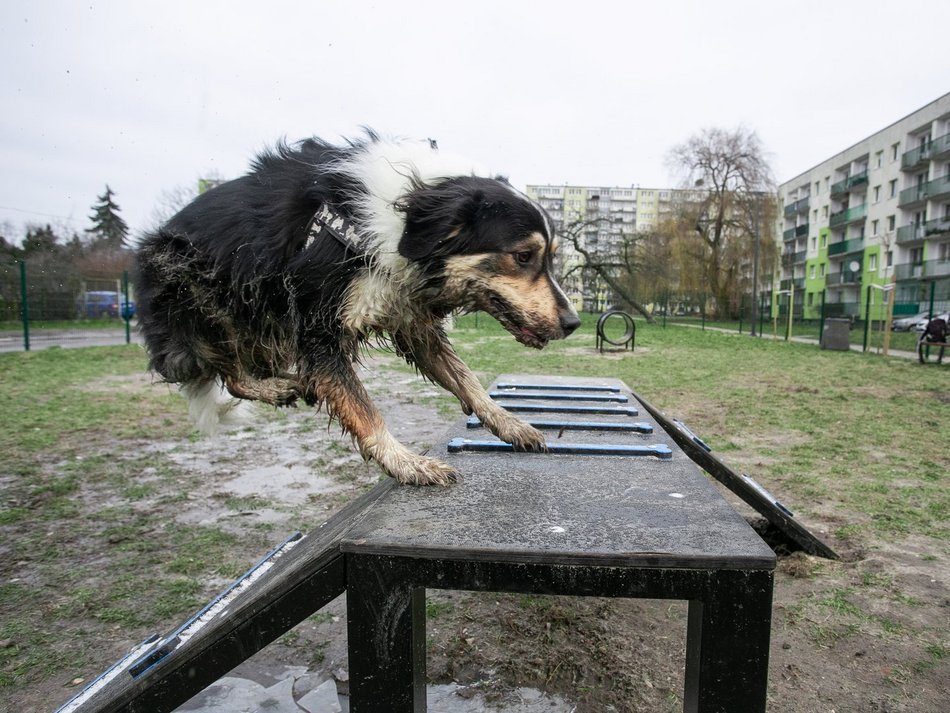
[(238, 294)]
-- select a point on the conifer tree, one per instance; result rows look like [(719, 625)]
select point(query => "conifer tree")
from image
[(108, 229)]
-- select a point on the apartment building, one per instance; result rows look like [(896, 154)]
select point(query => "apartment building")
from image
[(602, 217), (877, 212)]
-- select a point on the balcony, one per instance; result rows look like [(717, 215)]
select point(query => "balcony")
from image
[(791, 258), (916, 232), (849, 215), (937, 148), (799, 206), (921, 270), (936, 188), (796, 283), (909, 271), (799, 231), (845, 277), (848, 184), (846, 246)]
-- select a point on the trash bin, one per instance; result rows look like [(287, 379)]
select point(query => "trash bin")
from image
[(836, 335)]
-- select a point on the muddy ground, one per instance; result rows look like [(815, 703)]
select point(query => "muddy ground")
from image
[(289, 471)]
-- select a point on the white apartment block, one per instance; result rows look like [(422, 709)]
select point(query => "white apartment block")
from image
[(877, 212), (602, 216)]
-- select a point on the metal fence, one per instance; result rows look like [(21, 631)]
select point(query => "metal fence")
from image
[(43, 305)]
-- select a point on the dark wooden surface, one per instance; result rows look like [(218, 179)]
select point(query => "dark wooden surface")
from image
[(585, 525), (782, 518), (566, 509)]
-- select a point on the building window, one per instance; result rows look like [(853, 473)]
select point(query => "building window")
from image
[(811, 299), (879, 159), (813, 272), (815, 213), (824, 240), (890, 258), (895, 151), (821, 270), (824, 211), (872, 263), (891, 221), (874, 227), (892, 187), (814, 245), (817, 187), (877, 193)]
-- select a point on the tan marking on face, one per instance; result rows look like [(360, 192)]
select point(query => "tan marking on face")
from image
[(533, 298)]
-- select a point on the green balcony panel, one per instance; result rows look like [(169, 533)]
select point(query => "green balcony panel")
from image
[(846, 246), (931, 190), (850, 215), (849, 183)]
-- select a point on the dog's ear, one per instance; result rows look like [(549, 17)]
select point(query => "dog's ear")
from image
[(439, 219)]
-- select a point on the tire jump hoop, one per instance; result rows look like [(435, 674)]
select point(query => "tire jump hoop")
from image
[(629, 335)]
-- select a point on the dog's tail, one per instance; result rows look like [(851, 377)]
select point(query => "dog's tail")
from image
[(211, 406)]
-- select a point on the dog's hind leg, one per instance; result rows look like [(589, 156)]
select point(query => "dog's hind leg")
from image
[(347, 401), (430, 351), (277, 391)]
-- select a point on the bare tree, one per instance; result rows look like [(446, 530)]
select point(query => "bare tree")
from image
[(727, 213), (618, 264), (174, 199)]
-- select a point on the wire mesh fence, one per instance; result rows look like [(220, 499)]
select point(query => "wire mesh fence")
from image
[(44, 305)]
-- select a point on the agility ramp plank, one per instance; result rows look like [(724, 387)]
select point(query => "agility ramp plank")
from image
[(292, 582), (744, 486), (750, 491)]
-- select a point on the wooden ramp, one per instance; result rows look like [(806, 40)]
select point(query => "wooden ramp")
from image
[(295, 579)]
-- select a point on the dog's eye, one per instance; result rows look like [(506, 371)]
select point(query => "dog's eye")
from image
[(523, 257)]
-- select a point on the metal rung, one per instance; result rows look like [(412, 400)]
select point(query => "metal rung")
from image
[(568, 408), (559, 387), (621, 399), (689, 434), (659, 450), (637, 427)]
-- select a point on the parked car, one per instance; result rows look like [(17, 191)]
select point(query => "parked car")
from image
[(102, 303), (905, 324), (922, 324)]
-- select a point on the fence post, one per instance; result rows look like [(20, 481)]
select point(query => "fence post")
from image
[(25, 307), (125, 306), (867, 317), (791, 310)]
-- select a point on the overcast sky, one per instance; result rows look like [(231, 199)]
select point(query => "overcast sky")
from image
[(149, 96)]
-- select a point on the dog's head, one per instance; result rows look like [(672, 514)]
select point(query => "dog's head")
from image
[(488, 247)]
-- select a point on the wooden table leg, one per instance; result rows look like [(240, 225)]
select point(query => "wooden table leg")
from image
[(386, 638), (727, 644)]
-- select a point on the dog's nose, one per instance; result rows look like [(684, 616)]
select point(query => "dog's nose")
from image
[(569, 322)]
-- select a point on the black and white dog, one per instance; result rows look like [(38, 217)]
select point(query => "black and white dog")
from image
[(270, 284)]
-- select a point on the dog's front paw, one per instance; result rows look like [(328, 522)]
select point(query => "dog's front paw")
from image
[(519, 434), (420, 470)]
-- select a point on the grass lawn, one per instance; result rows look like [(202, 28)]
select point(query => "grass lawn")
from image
[(855, 444)]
